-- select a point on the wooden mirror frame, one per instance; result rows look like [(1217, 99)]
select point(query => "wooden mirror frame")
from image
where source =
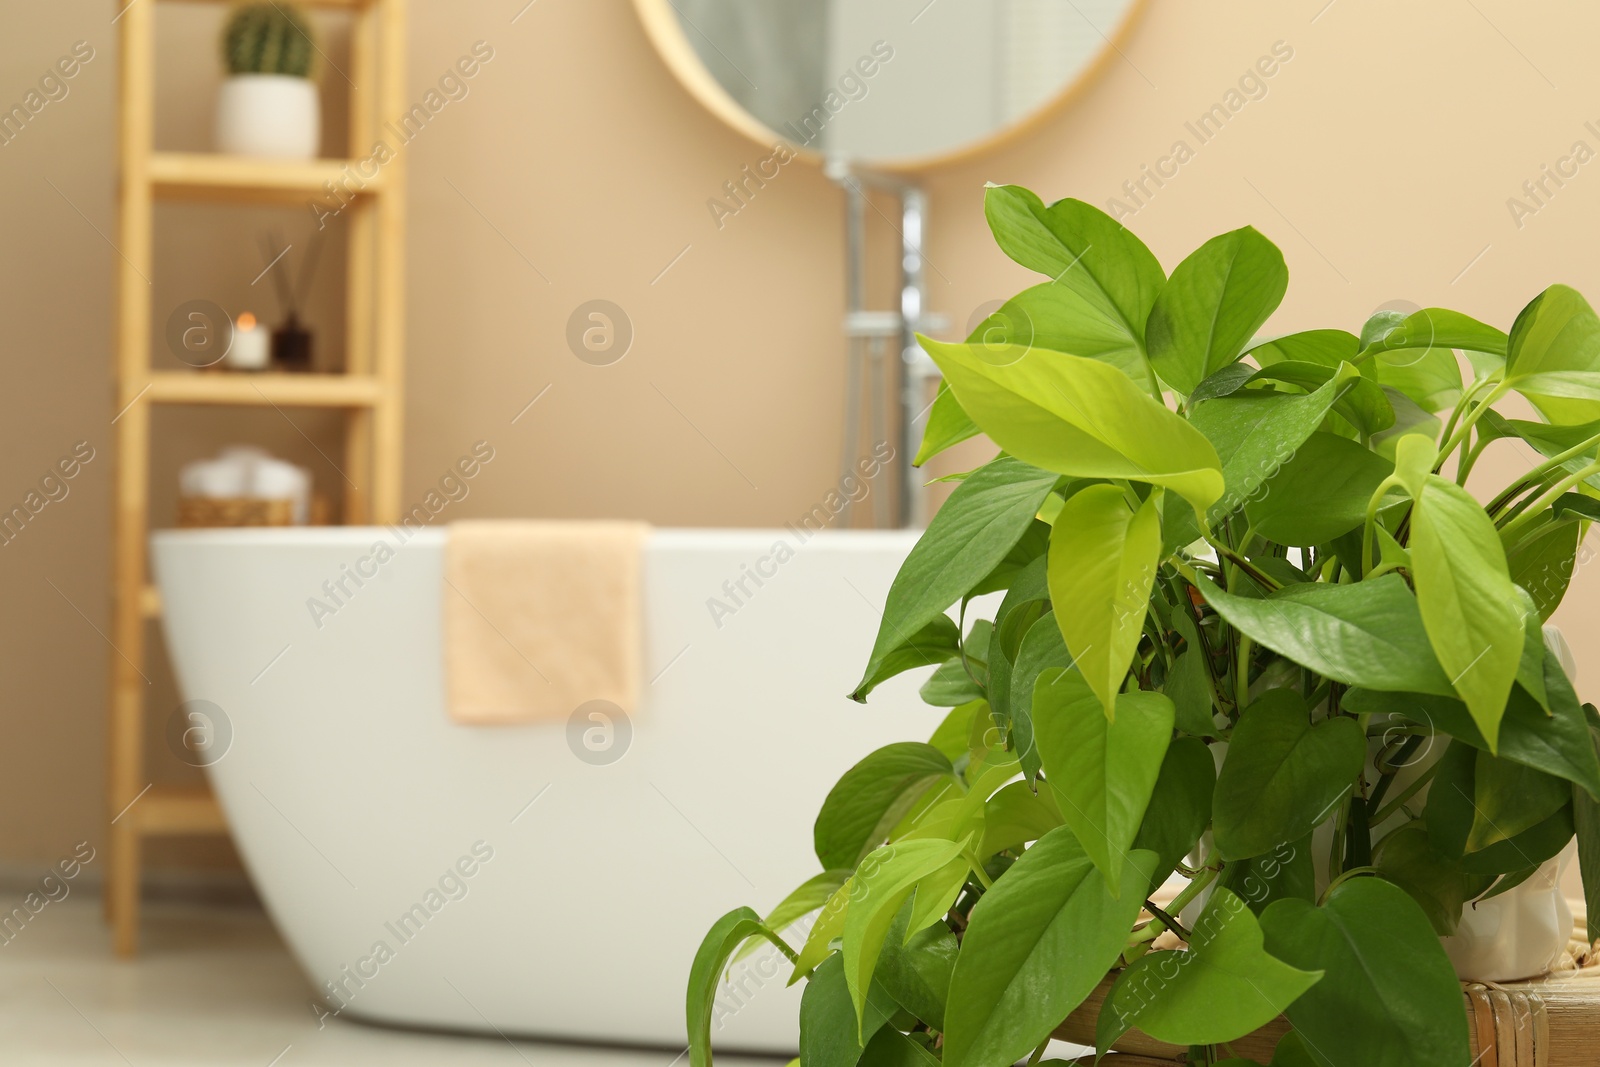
[(666, 33)]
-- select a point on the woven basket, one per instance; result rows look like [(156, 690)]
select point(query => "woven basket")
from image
[(1550, 1021), (202, 511)]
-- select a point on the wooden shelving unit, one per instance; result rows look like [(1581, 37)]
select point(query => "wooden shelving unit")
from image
[(370, 391)]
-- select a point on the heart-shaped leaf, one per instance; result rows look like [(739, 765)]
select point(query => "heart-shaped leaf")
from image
[(1079, 417), (971, 534), (705, 974), (1103, 560), (1470, 608), (829, 1036), (1255, 434), (885, 881), (1225, 986), (1213, 304), (1366, 633), (1038, 943), (1283, 776), (1383, 965), (1180, 805), (1554, 349), (1319, 493), (871, 797), (1101, 770), (1081, 248)]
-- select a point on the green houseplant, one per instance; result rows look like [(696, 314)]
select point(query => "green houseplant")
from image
[(269, 105), (1251, 629)]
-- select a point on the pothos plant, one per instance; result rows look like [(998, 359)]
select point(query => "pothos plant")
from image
[(1244, 625)]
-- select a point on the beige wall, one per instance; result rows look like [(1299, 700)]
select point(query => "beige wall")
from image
[(1380, 160)]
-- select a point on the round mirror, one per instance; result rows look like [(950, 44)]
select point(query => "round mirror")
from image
[(893, 84)]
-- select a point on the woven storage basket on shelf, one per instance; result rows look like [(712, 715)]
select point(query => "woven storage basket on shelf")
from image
[(1550, 1021), (203, 511)]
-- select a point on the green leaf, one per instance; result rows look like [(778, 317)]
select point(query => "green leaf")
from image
[(891, 1048), (934, 642), (1015, 816), (1366, 633), (1389, 996), (950, 686), (1188, 683), (1079, 417), (1256, 434), (1509, 798), (1286, 871), (1556, 743), (1103, 560), (1409, 859), (1042, 647), (948, 425), (1180, 805), (1431, 378), (968, 537), (1542, 562), (871, 797), (824, 932), (1555, 347), (954, 735), (1586, 822), (1453, 815), (1038, 944), (828, 1029), (1225, 986), (1102, 771), (1469, 606), (1080, 248), (886, 880), (1319, 493), (916, 971), (1060, 319), (1435, 328), (808, 897), (1213, 305), (1282, 776), (1362, 402), (1326, 348), (718, 947)]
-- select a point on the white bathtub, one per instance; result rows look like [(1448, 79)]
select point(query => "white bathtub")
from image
[(351, 794)]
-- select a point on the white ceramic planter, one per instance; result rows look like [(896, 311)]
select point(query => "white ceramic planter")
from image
[(272, 115)]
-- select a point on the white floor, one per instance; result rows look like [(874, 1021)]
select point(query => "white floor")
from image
[(215, 987)]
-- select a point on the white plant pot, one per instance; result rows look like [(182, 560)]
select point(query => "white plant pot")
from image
[(272, 115), (1519, 934)]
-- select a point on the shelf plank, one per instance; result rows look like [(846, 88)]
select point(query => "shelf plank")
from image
[(352, 4), (213, 176), (169, 809), (284, 390)]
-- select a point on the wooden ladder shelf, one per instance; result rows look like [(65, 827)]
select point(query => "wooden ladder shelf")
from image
[(370, 390)]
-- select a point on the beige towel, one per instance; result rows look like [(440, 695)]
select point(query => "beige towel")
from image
[(540, 618)]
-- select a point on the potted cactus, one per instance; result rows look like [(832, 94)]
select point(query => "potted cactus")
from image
[(269, 105)]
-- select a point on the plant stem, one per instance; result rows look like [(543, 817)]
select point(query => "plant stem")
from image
[(1345, 877), (1224, 552), (1242, 672), (1038, 1052), (977, 869), (1406, 794), (1472, 415), (1373, 506), (1509, 530)]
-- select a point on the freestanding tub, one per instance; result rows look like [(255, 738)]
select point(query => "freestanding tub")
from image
[(505, 878)]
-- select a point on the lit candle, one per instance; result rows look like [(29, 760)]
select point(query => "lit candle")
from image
[(251, 348)]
